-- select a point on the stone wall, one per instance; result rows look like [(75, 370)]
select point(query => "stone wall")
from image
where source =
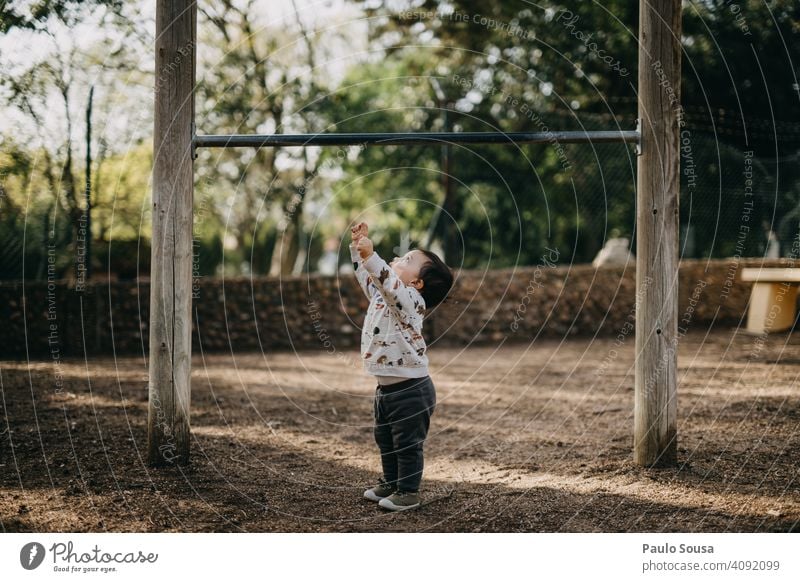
[(315, 312)]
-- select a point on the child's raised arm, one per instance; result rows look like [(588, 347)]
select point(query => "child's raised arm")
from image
[(361, 273), (358, 232)]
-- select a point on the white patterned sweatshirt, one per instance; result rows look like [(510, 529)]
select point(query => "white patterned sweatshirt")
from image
[(391, 339)]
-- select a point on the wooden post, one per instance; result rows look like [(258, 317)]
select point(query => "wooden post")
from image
[(171, 252), (657, 195)]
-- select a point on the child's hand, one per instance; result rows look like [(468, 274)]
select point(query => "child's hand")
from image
[(364, 247), (358, 231)]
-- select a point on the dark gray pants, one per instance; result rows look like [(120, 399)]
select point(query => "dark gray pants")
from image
[(402, 417)]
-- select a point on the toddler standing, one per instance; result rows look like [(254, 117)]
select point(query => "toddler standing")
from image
[(394, 351)]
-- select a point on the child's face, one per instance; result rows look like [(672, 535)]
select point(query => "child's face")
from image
[(408, 266)]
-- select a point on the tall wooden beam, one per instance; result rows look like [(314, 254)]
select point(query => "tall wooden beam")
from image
[(657, 195), (171, 252)]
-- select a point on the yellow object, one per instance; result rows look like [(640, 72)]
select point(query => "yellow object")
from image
[(773, 303)]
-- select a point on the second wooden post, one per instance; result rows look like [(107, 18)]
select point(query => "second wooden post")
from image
[(657, 196)]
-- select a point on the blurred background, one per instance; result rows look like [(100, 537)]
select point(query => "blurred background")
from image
[(76, 104)]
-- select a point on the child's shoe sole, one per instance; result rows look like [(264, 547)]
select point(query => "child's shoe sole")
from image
[(387, 504), (369, 494)]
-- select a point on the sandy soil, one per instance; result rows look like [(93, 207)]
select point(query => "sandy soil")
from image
[(524, 438)]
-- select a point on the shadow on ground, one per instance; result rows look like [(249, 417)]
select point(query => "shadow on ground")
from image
[(520, 442)]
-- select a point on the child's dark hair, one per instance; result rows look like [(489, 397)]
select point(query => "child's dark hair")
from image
[(437, 278)]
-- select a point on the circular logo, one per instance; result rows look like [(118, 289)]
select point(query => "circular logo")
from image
[(31, 555)]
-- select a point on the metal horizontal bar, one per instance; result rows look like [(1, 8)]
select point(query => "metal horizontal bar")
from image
[(382, 139)]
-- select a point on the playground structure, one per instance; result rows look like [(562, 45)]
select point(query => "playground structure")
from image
[(657, 191)]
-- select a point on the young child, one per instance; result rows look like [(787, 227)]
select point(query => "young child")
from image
[(393, 351)]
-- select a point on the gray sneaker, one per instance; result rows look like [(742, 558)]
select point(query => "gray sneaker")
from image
[(380, 491), (400, 501)]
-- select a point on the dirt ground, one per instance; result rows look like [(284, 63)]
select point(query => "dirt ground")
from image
[(525, 438)]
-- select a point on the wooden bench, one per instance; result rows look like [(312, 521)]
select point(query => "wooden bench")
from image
[(773, 303)]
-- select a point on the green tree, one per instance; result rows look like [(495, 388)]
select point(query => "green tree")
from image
[(35, 15), (263, 78), (522, 66), (397, 189), (48, 92)]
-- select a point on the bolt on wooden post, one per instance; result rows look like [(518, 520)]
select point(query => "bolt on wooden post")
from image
[(171, 251), (657, 196)]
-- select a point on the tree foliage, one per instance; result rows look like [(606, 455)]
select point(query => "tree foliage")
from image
[(34, 15), (428, 65)]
